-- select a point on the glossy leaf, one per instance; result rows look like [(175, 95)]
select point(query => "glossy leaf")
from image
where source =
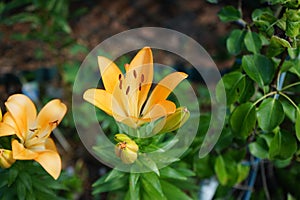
[(297, 125), (234, 84), (270, 114), (243, 119), (283, 146), (229, 13), (259, 148), (259, 68), (234, 42), (253, 42), (248, 91)]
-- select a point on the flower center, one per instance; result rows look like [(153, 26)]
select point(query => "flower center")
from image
[(135, 75)]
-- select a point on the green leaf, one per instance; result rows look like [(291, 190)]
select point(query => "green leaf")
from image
[(21, 190), (12, 175), (172, 173), (264, 19), (234, 84), (283, 146), (270, 114), (296, 67), (281, 41), (234, 42), (151, 185), (248, 91), (292, 22), (253, 42), (297, 125), (259, 68), (259, 148), (243, 119), (173, 192), (229, 13), (243, 172), (134, 186), (220, 170)]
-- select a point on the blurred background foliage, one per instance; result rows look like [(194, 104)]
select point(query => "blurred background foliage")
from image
[(42, 44)]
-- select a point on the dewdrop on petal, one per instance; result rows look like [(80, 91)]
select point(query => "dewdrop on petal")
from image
[(6, 158), (126, 149)]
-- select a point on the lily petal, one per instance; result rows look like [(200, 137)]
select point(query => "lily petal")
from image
[(50, 145), (22, 110), (21, 153), (160, 109), (110, 73), (50, 116), (51, 162), (6, 130), (139, 78), (163, 89), (100, 98), (10, 127)]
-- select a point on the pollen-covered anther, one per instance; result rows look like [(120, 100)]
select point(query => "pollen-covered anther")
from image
[(127, 90), (134, 74)]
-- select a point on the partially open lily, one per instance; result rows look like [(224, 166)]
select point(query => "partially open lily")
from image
[(126, 96), (33, 131)]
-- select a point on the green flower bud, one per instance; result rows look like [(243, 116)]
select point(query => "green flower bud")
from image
[(173, 121), (6, 158), (127, 151), (120, 137)]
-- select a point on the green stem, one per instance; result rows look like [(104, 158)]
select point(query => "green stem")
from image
[(290, 100), (289, 86), (265, 96)]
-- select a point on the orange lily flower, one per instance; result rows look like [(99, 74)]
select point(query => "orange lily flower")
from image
[(126, 96), (33, 131)]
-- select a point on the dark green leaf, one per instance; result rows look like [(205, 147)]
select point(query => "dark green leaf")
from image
[(234, 84), (151, 185), (173, 192), (297, 125), (270, 114), (12, 175), (234, 42), (248, 91), (134, 186), (259, 68), (253, 42), (21, 190), (283, 146), (229, 13), (243, 119)]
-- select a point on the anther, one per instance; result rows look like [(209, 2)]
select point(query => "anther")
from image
[(140, 86), (120, 85), (127, 90), (120, 76), (142, 78), (134, 73)]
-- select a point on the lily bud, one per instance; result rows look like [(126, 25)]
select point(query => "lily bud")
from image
[(6, 158), (173, 121), (126, 149), (120, 137)]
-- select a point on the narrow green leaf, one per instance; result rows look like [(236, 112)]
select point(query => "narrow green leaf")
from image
[(243, 119), (169, 172), (134, 186), (229, 13), (21, 190), (234, 42), (259, 68), (220, 170), (270, 114), (151, 185), (12, 175), (253, 42), (173, 192)]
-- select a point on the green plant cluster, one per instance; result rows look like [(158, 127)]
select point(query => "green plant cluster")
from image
[(263, 121)]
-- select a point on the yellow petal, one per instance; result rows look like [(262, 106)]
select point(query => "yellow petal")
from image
[(160, 109), (50, 145), (21, 153), (110, 73), (51, 162), (139, 78), (6, 130), (164, 88), (50, 116), (22, 110), (100, 98), (11, 127)]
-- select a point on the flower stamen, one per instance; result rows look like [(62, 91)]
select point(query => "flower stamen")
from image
[(127, 90)]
